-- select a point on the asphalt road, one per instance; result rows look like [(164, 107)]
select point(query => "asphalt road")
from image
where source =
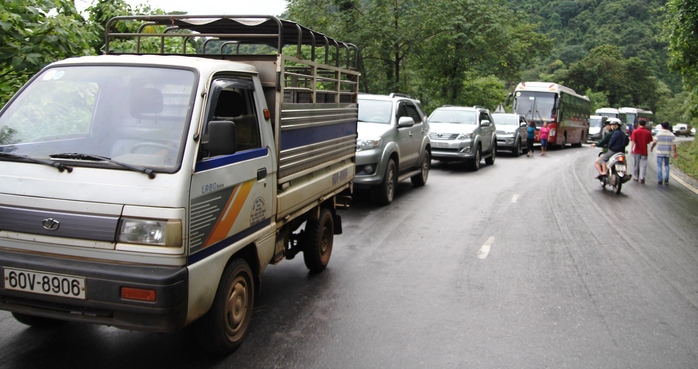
[(524, 264)]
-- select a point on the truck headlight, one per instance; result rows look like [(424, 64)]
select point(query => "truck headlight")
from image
[(153, 232), (367, 143)]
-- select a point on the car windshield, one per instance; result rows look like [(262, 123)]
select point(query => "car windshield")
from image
[(456, 116), (375, 111), (595, 122), (506, 119), (132, 114)]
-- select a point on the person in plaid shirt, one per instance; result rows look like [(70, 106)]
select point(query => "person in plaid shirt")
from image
[(665, 141)]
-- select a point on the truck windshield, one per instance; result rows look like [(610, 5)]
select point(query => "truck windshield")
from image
[(133, 114), (535, 105)]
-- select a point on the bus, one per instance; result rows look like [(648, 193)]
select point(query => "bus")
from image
[(633, 116), (612, 113), (565, 111)]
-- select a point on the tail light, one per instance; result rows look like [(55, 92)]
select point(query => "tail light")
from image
[(621, 158)]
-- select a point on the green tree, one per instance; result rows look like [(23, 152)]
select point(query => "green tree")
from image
[(681, 30), (34, 33)]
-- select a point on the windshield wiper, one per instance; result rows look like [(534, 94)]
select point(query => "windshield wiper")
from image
[(79, 156), (60, 166)]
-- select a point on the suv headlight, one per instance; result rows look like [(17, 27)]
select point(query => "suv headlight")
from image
[(464, 136), (367, 143), (152, 232)]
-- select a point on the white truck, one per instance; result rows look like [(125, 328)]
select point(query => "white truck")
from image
[(150, 191)]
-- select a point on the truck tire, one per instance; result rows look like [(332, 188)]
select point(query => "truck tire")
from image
[(421, 178), (36, 321), (318, 239), (224, 327), (383, 193)]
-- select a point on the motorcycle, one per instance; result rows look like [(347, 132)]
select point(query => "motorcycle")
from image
[(616, 172)]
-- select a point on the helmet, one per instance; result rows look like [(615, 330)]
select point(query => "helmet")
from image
[(615, 121)]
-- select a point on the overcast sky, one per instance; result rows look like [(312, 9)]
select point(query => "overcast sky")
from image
[(212, 7)]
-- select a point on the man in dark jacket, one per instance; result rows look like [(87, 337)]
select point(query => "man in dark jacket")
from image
[(617, 142)]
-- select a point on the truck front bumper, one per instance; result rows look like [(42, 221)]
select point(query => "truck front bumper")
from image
[(103, 303)]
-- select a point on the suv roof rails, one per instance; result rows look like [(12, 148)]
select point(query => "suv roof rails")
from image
[(479, 107), (399, 94)]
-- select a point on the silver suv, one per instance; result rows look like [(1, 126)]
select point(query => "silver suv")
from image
[(461, 133), (511, 132), (393, 144)]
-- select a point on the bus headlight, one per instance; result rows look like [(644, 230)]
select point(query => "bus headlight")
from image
[(152, 232)]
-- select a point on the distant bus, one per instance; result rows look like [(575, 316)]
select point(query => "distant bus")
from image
[(565, 111), (612, 113), (633, 116)]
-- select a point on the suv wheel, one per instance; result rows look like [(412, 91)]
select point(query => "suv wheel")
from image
[(475, 162), (490, 159), (383, 193), (421, 178), (517, 149)]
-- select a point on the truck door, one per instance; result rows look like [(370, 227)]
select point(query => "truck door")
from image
[(231, 187)]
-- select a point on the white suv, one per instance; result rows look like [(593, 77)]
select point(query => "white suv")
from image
[(393, 144)]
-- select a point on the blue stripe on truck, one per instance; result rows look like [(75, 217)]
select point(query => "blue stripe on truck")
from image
[(293, 138), (223, 160)]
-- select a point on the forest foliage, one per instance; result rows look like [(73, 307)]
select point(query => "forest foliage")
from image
[(464, 52)]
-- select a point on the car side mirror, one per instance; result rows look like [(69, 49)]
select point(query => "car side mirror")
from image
[(405, 122), (485, 123), (523, 124)]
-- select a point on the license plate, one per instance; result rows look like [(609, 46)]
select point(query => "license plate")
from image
[(440, 144), (45, 283), (620, 167)]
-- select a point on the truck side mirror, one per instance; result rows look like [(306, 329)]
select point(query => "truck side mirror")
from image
[(221, 138), (405, 122)]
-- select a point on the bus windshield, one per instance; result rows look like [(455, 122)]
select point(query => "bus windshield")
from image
[(535, 105)]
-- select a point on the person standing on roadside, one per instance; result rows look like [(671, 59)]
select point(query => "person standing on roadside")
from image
[(639, 140), (530, 137), (544, 134), (665, 141)]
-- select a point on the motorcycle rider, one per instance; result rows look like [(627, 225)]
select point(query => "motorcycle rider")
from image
[(615, 140)]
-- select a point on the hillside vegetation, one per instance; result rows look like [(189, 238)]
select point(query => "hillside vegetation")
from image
[(462, 52)]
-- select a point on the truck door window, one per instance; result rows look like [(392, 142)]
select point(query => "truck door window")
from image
[(233, 101)]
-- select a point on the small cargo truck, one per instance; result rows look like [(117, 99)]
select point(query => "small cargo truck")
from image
[(148, 188)]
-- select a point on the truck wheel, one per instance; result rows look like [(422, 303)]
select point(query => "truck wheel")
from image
[(490, 159), (224, 327), (319, 235), (421, 178), (36, 321), (474, 163), (383, 193)]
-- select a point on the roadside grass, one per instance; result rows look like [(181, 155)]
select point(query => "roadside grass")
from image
[(688, 158)]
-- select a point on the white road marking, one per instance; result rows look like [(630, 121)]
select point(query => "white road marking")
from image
[(485, 249), (515, 197)]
